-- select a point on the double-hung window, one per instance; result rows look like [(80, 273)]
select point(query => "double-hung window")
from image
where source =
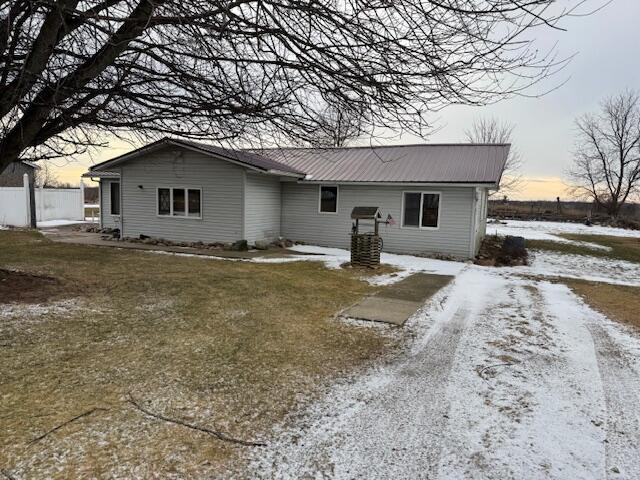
[(179, 202), (114, 191), (421, 210), (328, 199)]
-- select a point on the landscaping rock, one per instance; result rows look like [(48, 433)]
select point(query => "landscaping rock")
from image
[(499, 252), (240, 246), (262, 245), (514, 246)]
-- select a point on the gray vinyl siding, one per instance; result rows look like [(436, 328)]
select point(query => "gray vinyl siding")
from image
[(302, 221), (262, 207), (106, 219), (481, 211), (221, 184)]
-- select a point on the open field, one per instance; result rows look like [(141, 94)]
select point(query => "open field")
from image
[(231, 346), (619, 248)]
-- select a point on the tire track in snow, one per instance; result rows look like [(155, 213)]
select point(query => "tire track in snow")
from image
[(531, 417), (388, 425), (621, 383)]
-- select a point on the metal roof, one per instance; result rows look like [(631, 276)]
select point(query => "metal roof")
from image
[(425, 163), (466, 163), (101, 174), (244, 157)]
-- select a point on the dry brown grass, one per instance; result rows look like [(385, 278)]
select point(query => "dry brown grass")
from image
[(617, 302), (382, 269), (621, 248), (227, 345)]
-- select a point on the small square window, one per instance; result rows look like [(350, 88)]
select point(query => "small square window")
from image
[(328, 199)]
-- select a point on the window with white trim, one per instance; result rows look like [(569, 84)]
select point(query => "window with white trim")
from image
[(328, 199), (421, 210), (114, 191), (179, 202)]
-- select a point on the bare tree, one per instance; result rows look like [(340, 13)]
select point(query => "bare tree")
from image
[(338, 126), (606, 166), (45, 177), (491, 130), (74, 71)]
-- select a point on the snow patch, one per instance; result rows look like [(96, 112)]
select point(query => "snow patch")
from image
[(23, 316), (335, 257), (536, 230), (607, 270), (58, 223)]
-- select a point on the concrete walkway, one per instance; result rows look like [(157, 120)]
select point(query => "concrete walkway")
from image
[(397, 302)]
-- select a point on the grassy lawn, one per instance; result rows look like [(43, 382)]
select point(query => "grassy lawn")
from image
[(617, 302), (622, 248), (231, 346)]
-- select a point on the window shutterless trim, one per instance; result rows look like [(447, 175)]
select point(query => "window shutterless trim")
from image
[(186, 203), (422, 194), (320, 187), (119, 199)]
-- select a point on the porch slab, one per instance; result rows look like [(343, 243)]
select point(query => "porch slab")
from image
[(379, 309), (397, 302)]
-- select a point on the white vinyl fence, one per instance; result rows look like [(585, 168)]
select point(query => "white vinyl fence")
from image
[(14, 206), (59, 204), (51, 204)]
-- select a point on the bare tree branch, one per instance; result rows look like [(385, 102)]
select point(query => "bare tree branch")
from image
[(65, 423), (491, 130), (606, 165), (73, 72), (215, 433)]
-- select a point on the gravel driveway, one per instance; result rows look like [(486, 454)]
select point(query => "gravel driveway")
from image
[(506, 378)]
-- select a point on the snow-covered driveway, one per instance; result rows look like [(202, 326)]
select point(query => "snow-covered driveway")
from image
[(506, 378)]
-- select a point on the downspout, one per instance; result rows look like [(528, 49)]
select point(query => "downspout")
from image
[(472, 252), (100, 186), (121, 204), (243, 203)]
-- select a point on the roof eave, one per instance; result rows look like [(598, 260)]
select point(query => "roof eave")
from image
[(286, 174), (100, 174), (488, 184), (189, 146)]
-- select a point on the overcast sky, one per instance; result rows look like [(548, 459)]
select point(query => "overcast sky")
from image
[(606, 46), (607, 49)]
